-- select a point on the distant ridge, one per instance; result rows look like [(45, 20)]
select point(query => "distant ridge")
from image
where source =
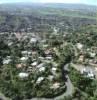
[(51, 5)]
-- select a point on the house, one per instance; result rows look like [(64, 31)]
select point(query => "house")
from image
[(41, 58), (29, 53), (29, 69), (79, 46), (23, 75), (55, 30), (34, 53), (43, 41), (45, 46), (53, 70), (87, 72), (56, 85), (34, 64), (48, 51), (10, 43), (19, 65), (81, 58), (49, 57), (40, 65), (96, 68), (24, 58), (33, 40), (18, 36), (42, 69), (24, 52), (6, 61), (92, 55), (39, 80)]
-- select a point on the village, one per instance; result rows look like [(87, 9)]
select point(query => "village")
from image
[(48, 51), (39, 60)]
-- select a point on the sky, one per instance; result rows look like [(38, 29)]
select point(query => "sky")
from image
[(90, 2)]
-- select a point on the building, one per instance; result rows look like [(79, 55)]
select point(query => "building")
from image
[(56, 85), (39, 80), (81, 58), (87, 72), (33, 40), (6, 61), (34, 64), (23, 75), (24, 58), (79, 46)]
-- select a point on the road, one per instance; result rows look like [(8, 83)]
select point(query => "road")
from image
[(2, 97), (69, 84)]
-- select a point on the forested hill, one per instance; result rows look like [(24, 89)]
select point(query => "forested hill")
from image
[(18, 16)]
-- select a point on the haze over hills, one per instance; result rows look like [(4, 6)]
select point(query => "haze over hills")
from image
[(55, 6), (45, 13), (52, 5)]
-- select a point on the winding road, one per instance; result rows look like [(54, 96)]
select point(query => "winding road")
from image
[(2, 97)]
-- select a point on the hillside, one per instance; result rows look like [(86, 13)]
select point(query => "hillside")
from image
[(17, 17)]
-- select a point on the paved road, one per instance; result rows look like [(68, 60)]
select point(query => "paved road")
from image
[(69, 84), (2, 97)]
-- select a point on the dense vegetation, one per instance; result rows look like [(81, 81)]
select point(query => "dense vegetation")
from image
[(85, 87), (56, 30)]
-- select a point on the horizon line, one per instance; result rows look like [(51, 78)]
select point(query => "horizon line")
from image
[(47, 3)]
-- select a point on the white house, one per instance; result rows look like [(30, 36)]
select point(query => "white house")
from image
[(24, 58), (23, 75), (39, 80), (87, 72), (53, 70), (41, 58), (42, 69), (40, 65), (34, 63), (10, 43), (49, 57), (79, 45), (24, 52), (33, 40), (92, 54), (6, 61)]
